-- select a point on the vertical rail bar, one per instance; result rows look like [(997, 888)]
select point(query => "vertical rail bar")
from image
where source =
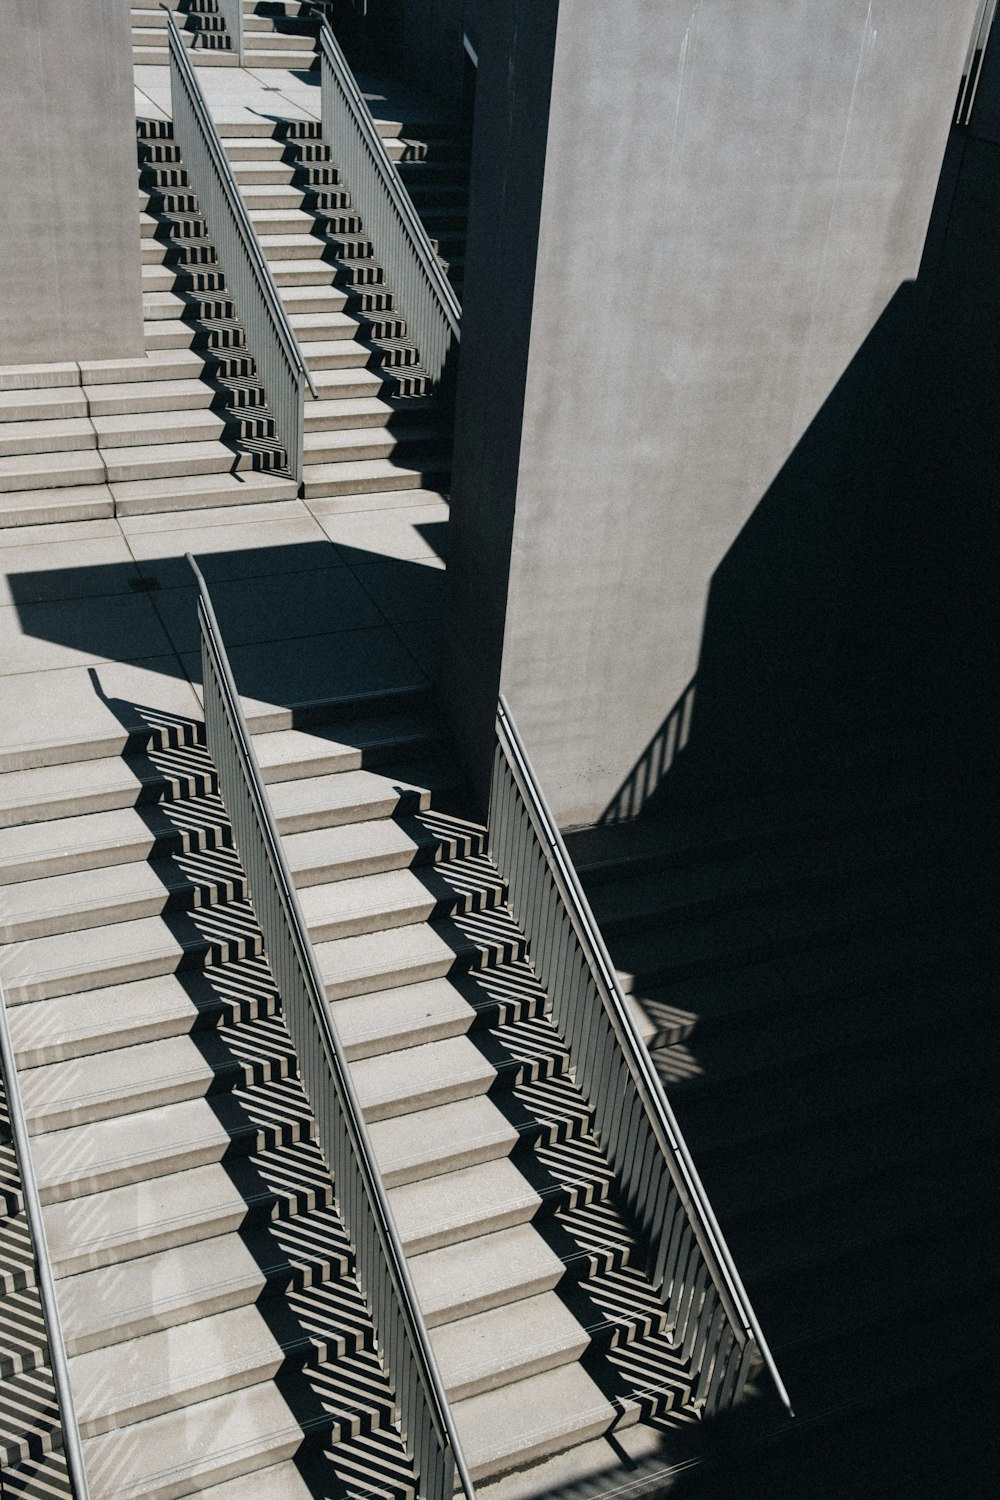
[(72, 1445)]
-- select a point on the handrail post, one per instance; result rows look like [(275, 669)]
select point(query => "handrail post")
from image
[(270, 337), (72, 1445)]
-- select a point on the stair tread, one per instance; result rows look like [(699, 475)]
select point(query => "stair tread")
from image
[(427, 1141), (351, 965), (82, 1159), (158, 1213), (462, 1205), (110, 1305), (491, 1269), (210, 1440), (489, 1349), (530, 1418), (121, 1015), (172, 1369)]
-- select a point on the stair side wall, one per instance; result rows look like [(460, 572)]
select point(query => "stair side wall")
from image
[(69, 230)]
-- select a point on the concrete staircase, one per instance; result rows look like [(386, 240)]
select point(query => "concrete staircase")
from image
[(374, 429), (816, 971), (276, 33), (185, 425), (202, 29), (218, 1341)]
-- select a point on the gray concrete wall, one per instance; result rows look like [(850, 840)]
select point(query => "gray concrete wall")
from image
[(69, 231), (734, 190)]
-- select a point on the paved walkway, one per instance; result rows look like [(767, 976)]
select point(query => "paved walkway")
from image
[(314, 600)]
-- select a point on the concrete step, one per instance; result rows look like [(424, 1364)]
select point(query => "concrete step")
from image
[(183, 1452), (406, 441), (170, 460), (524, 1422), (421, 1144), (104, 1308), (463, 1205), (49, 403), (144, 429), (380, 1021), (303, 804), (120, 837), (79, 1026), (45, 436), (199, 489), (155, 397), (297, 59), (322, 327), (313, 299), (195, 1361), (489, 1350), (406, 955), (341, 354), (48, 507), (157, 1214), (146, 54), (300, 271), (94, 957), (372, 475), (395, 898), (80, 1160), (356, 412), (150, 1075), (154, 365), (46, 471), (479, 1274), (173, 1369)]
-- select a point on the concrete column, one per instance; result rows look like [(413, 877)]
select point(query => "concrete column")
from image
[(69, 231), (699, 379)]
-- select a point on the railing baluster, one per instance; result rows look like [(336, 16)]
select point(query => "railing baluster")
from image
[(660, 1188)]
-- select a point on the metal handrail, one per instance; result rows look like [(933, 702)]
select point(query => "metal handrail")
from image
[(270, 339), (72, 1445), (340, 1079), (215, 145), (654, 1098), (406, 246)]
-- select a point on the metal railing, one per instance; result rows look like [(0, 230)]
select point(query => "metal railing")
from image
[(973, 69), (422, 292), (270, 340), (231, 12), (714, 1326), (425, 1415), (72, 1446)]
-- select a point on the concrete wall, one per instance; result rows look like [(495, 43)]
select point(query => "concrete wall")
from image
[(69, 231), (734, 191)]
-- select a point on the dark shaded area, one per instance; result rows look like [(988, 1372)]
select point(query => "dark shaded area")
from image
[(806, 904)]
